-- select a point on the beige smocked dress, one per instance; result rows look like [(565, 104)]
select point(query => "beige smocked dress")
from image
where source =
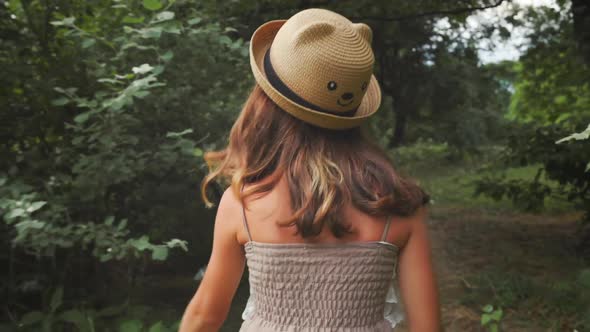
[(321, 287)]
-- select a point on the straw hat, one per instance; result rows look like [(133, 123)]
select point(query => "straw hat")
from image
[(318, 66)]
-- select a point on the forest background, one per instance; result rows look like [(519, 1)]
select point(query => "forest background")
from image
[(106, 108)]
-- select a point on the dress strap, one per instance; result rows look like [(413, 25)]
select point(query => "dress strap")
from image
[(244, 218), (386, 230)]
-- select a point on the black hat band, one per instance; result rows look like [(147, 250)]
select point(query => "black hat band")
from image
[(278, 84)]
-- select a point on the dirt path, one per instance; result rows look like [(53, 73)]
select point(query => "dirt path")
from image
[(487, 257)]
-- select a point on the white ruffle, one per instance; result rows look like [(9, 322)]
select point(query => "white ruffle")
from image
[(393, 310), (248, 312)]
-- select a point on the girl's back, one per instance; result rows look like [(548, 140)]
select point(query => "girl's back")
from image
[(336, 284), (263, 212)]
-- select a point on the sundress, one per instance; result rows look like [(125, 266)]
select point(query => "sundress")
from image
[(344, 287)]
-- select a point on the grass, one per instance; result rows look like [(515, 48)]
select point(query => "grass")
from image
[(454, 185), (550, 302)]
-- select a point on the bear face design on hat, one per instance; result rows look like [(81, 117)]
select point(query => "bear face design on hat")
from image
[(318, 66)]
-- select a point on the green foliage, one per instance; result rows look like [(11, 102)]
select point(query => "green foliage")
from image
[(491, 318), (553, 82), (525, 194), (109, 108), (584, 135), (467, 101), (566, 164), (121, 317), (552, 95), (45, 231), (422, 152), (566, 297)]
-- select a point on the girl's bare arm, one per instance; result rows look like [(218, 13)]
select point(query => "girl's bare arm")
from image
[(211, 303), (416, 278)]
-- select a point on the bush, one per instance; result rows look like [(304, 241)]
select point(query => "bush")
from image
[(423, 153)]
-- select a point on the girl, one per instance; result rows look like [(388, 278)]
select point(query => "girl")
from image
[(315, 208)]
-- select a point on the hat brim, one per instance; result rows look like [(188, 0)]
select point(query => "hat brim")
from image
[(260, 42)]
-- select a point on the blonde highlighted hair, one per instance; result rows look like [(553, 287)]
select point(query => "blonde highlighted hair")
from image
[(325, 169)]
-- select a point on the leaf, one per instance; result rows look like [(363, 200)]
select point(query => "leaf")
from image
[(153, 32), (131, 325), (576, 136), (82, 117), (141, 94), (68, 21), (163, 16), (108, 80), (152, 5), (160, 253), (167, 56), (194, 21), (29, 224), (36, 206), (142, 243), (134, 45), (31, 318), (488, 308), (178, 134), (485, 319), (109, 220), (15, 7), (177, 243), (56, 299), (145, 68), (133, 20), (172, 29), (75, 317), (157, 70), (122, 225), (18, 212), (198, 152), (60, 101), (496, 315), (225, 40), (113, 310), (86, 43), (158, 327), (186, 146)]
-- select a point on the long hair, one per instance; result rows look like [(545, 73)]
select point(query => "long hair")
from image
[(324, 169)]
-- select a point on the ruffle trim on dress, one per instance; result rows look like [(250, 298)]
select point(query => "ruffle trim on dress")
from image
[(248, 312), (393, 311)]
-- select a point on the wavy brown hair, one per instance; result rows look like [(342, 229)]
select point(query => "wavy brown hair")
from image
[(325, 169)]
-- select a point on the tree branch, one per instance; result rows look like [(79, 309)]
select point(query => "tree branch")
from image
[(455, 11)]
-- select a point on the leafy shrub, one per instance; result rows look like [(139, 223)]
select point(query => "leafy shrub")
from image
[(109, 109), (565, 164), (422, 153), (491, 318), (122, 317)]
